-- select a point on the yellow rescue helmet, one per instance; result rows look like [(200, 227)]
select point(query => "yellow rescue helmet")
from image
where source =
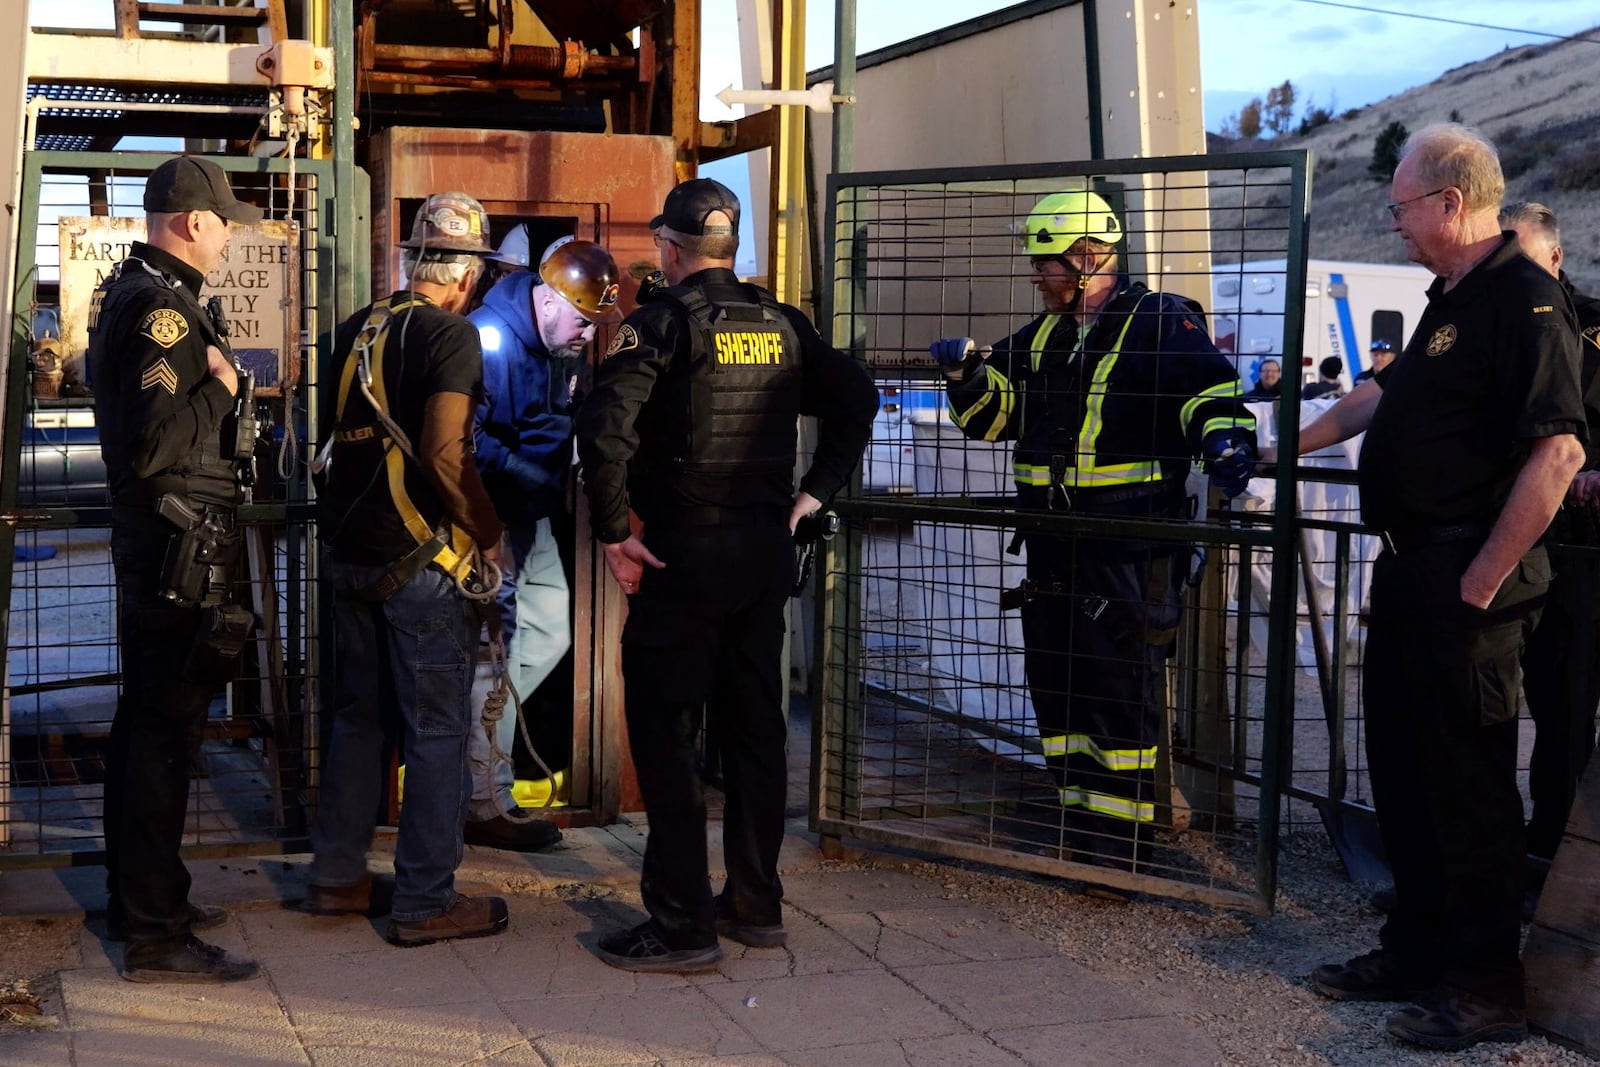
[(586, 275), (1060, 220), (450, 222)]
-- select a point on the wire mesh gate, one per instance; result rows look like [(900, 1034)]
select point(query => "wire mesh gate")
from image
[(926, 734), (256, 773)]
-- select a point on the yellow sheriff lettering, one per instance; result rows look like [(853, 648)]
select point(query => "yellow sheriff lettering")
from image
[(750, 348), (1544, 309)]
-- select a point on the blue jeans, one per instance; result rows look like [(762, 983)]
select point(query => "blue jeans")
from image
[(411, 653), (535, 629)]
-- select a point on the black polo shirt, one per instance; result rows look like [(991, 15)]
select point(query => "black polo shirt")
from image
[(1493, 364)]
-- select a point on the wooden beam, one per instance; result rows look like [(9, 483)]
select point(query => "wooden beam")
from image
[(718, 140)]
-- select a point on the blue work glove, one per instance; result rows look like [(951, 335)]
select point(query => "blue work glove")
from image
[(951, 352), (1230, 459)]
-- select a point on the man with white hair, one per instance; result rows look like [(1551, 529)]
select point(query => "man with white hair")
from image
[(534, 329), (402, 508), (1472, 439)]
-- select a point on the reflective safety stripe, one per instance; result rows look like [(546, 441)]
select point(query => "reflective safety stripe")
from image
[(1046, 327), (1220, 391), (1106, 804), (999, 387), (1083, 472), (455, 556), (1112, 474), (1112, 759)]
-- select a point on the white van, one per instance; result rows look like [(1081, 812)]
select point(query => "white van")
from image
[(1348, 306)]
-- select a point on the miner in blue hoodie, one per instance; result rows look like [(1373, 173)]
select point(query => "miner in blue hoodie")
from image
[(534, 328)]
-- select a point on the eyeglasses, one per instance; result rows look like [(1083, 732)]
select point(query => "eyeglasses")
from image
[(660, 240), (1397, 211)]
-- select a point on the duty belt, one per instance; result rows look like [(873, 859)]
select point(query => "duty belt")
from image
[(674, 518), (1398, 541)]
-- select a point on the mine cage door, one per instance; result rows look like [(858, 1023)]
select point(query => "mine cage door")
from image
[(927, 735), (255, 780)]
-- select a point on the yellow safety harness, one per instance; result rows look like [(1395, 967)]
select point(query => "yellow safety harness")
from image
[(363, 369)]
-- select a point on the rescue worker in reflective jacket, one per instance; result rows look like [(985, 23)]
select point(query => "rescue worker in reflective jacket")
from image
[(164, 403), (692, 424), (1108, 395), (533, 327), (405, 523)]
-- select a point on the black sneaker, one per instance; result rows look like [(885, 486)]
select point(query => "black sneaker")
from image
[(755, 935), (1377, 975), (641, 949), (194, 961), (1458, 1020), (467, 917), (201, 917), (512, 835)]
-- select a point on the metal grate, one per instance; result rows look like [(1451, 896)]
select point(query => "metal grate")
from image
[(254, 779), (928, 733)]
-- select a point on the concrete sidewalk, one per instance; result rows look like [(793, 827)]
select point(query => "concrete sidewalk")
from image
[(883, 968)]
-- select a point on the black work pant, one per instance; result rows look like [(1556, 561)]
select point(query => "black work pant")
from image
[(155, 737), (707, 632), (1561, 679), (1097, 624), (1439, 690)]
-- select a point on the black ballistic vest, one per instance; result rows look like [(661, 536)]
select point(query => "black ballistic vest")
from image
[(742, 392)]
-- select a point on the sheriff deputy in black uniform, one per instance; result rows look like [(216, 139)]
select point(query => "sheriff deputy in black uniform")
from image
[(1473, 437), (1562, 663), (164, 403), (692, 423)]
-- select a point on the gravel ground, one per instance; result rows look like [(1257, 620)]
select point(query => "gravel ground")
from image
[(1241, 977)]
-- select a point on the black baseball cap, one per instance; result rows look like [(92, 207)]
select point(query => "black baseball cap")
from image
[(194, 183), (687, 206)]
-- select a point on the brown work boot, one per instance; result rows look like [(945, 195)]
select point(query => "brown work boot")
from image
[(1455, 1019), (467, 917), (340, 899)]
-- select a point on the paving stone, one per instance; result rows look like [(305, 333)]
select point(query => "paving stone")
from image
[(102, 1000), (1168, 1041), (36, 1048), (418, 1037), (642, 1027), (925, 935), (967, 1050), (820, 1011), (825, 892), (315, 987), (172, 1045), (1012, 993)]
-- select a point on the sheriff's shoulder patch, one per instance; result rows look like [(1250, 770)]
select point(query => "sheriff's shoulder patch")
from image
[(1592, 335), (626, 338), (160, 375), (165, 327)]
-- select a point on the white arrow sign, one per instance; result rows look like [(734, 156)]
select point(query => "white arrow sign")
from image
[(817, 98)]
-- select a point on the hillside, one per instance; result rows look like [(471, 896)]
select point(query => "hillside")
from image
[(1540, 105)]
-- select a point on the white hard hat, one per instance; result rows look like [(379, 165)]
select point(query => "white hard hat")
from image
[(513, 251), (553, 245)]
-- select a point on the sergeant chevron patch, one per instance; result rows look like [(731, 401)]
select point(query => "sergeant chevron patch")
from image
[(160, 374)]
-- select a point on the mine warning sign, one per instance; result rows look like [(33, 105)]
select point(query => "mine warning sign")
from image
[(257, 280)]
